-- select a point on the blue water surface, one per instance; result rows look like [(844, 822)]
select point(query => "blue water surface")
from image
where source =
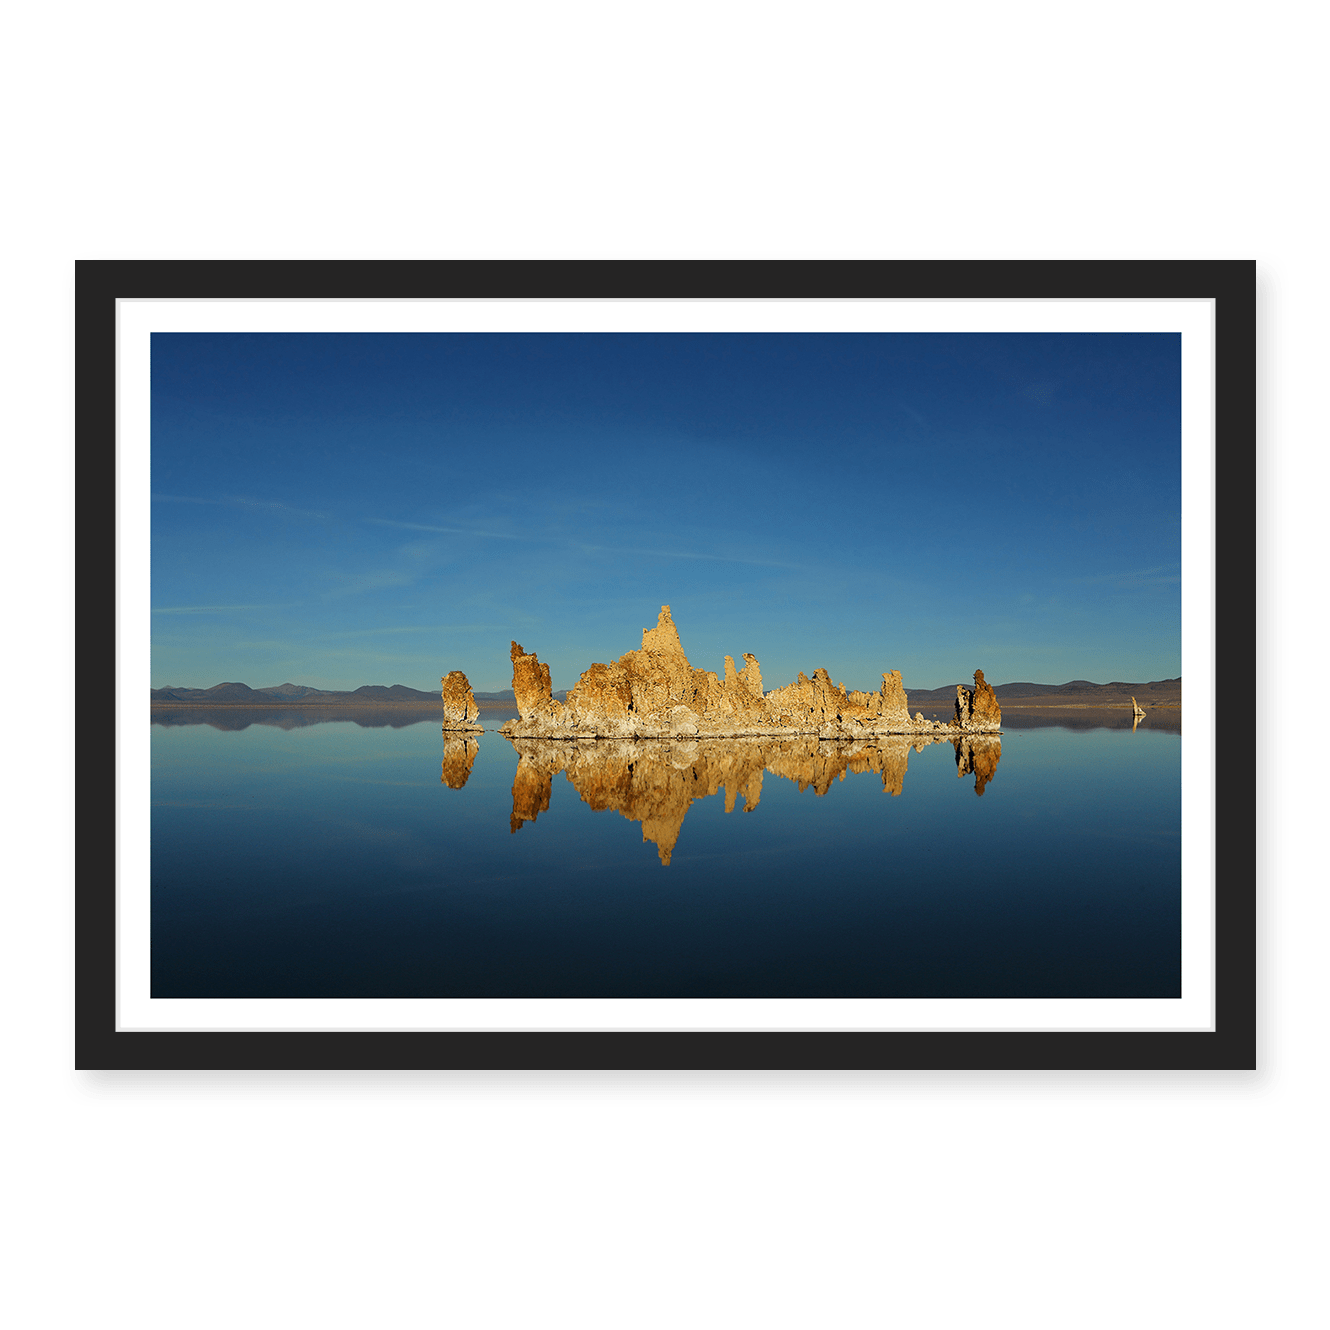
[(330, 860)]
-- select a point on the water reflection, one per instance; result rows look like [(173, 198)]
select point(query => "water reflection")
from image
[(1166, 720), (978, 755), (239, 717), (655, 781), (459, 756), (234, 718)]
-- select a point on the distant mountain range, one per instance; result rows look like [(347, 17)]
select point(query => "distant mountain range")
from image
[(372, 694), (379, 695), (1077, 688)]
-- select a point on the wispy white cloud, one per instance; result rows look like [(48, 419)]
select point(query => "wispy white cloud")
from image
[(212, 609), (684, 554), (446, 530), (1165, 575), (421, 628), (298, 654), (243, 501), (267, 505), (359, 584), (583, 547)]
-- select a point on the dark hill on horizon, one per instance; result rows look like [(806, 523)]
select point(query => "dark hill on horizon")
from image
[(295, 694), (369, 694), (1076, 688), (1162, 692)]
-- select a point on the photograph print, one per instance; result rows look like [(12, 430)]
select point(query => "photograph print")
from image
[(756, 665)]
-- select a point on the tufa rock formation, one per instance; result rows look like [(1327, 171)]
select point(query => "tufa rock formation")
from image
[(977, 710), (460, 711), (655, 692), (531, 688)]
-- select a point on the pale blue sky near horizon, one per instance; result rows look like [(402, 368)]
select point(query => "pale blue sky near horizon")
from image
[(346, 509)]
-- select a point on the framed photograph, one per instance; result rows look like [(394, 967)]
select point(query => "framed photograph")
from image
[(666, 664)]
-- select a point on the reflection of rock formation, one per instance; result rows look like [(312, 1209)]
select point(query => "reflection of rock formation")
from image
[(459, 756), (977, 709), (978, 754), (531, 786), (654, 782), (655, 692), (460, 711)]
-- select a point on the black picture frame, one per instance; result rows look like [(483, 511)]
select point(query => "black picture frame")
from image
[(1231, 285)]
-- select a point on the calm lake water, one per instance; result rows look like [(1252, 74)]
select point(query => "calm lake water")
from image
[(343, 860)]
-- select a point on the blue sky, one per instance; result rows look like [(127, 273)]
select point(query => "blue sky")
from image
[(343, 509)]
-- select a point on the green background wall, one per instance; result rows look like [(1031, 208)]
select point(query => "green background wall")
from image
[(588, 127)]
